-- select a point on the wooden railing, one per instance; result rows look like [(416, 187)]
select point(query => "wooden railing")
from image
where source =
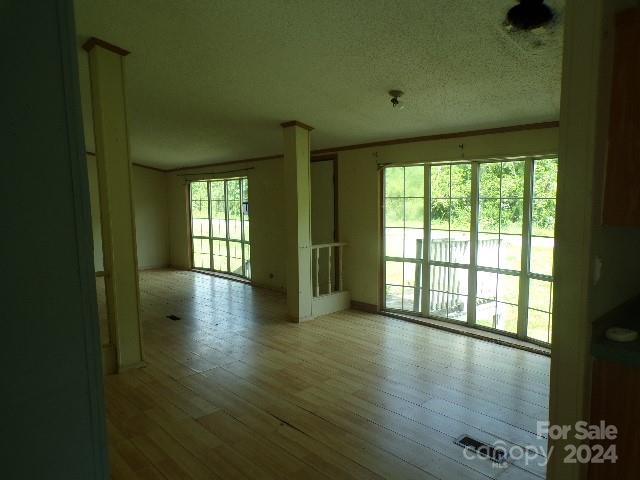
[(326, 268)]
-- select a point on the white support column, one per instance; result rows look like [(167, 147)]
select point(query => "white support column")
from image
[(116, 202), (297, 176)]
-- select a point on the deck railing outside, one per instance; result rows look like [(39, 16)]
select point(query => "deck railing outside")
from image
[(440, 301), (443, 281)]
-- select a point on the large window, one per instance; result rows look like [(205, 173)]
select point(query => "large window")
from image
[(404, 235), (220, 226), (485, 257)]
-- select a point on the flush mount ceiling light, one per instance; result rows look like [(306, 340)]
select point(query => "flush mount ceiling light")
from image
[(395, 99), (529, 15)]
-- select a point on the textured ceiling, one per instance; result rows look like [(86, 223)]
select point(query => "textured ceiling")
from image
[(210, 81)]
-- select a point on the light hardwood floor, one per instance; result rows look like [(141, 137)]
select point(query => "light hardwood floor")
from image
[(233, 390)]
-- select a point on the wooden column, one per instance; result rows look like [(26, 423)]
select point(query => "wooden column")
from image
[(116, 202), (297, 176)]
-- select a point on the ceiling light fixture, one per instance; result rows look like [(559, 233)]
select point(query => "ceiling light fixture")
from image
[(529, 15), (395, 99)]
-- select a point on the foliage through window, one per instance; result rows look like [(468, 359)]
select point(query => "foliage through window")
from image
[(220, 226), (485, 257)]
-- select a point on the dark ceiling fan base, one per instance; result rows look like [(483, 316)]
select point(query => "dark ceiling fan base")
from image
[(529, 14)]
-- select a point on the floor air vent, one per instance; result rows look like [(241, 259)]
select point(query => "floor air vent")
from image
[(496, 455)]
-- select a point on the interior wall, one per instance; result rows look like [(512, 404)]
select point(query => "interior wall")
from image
[(53, 420), (152, 219), (322, 200), (266, 210), (151, 213), (359, 183), (615, 248)]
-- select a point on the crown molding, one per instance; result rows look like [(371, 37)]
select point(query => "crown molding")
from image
[(442, 136), (323, 153)]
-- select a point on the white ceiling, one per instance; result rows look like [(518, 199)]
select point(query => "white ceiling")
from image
[(210, 81)]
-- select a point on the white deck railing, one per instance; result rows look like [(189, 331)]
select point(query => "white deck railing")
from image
[(445, 280), (326, 267)]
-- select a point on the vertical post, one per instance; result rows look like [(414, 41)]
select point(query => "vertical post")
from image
[(190, 204), (418, 276), (106, 63), (317, 261), (241, 184), (298, 219), (210, 233), (473, 254), (426, 246), (226, 223), (340, 286), (523, 297), (329, 269)]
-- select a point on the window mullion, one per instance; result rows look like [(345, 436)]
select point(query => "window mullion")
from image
[(241, 183), (426, 245), (404, 230), (193, 254), (210, 225), (473, 260), (523, 297), (383, 221), (226, 222), (450, 250)]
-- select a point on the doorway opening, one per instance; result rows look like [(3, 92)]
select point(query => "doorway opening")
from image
[(472, 243), (220, 240)]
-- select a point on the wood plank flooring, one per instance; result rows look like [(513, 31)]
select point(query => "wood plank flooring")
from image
[(233, 390)]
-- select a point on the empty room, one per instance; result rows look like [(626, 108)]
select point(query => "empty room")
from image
[(330, 239)]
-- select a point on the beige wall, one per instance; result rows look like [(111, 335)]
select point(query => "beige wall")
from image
[(322, 199), (359, 207), (266, 209), (151, 211), (152, 219)]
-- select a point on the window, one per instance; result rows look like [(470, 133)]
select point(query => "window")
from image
[(220, 226), (404, 234), (489, 232), (499, 259), (449, 240), (541, 251)]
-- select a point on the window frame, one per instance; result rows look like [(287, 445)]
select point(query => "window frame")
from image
[(243, 181), (525, 275)]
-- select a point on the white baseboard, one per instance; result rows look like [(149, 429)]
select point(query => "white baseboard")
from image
[(331, 303)]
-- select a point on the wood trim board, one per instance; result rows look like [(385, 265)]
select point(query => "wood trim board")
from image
[(296, 123)]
